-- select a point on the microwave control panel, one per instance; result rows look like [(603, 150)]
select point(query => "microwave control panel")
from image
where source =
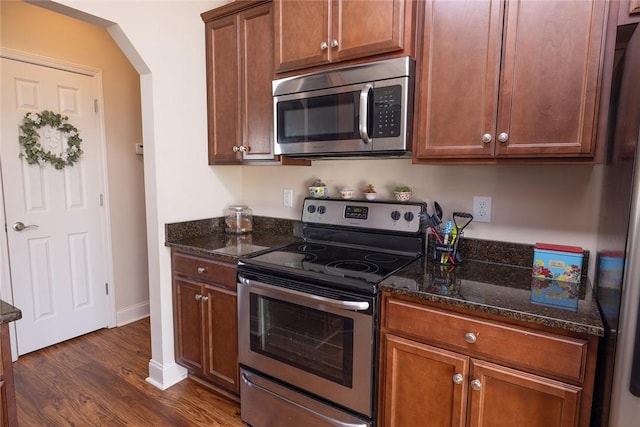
[(387, 111)]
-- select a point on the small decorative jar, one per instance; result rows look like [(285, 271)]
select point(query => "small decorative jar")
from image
[(346, 193)]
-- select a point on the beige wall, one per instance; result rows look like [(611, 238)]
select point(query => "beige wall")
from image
[(555, 204), (35, 30)]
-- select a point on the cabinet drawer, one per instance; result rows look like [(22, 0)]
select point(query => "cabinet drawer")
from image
[(204, 269), (523, 348)]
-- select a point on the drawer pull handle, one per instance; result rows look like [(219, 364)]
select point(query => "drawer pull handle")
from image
[(198, 297), (201, 270), (458, 378), (476, 385), (470, 337)]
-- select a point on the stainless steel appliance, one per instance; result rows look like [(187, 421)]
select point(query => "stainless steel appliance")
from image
[(358, 110), (308, 313), (617, 278)]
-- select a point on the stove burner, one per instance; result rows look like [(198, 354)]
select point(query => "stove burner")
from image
[(351, 266), (290, 259), (381, 258)]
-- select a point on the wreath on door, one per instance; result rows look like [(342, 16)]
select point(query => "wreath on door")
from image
[(36, 149)]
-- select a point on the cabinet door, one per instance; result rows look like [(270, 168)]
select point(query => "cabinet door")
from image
[(551, 62), (222, 90), (301, 27), (222, 338), (360, 29), (418, 384), (256, 39), (503, 397), (458, 79), (189, 324)]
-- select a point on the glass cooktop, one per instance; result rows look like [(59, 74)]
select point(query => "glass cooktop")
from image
[(332, 262)]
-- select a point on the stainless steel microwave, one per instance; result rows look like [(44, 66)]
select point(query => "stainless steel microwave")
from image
[(358, 110)]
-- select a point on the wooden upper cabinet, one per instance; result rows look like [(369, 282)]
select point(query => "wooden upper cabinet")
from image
[(300, 29), (513, 79), (222, 84), (458, 79), (239, 48), (256, 37), (310, 33), (551, 62)]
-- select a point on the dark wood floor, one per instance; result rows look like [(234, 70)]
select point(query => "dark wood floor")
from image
[(99, 380)]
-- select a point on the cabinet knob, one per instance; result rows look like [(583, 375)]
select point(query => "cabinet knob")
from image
[(235, 149), (503, 137), (198, 297), (486, 138), (458, 378), (476, 385), (204, 298), (324, 46), (470, 337), (201, 270), (334, 43)]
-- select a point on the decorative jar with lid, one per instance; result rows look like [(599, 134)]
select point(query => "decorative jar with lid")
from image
[(238, 219)]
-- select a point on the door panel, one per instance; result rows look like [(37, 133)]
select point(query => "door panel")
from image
[(58, 267), (506, 398), (551, 59), (459, 83)]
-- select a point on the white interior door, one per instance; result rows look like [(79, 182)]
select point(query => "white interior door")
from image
[(59, 267)]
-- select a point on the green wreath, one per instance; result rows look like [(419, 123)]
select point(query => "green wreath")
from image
[(32, 149)]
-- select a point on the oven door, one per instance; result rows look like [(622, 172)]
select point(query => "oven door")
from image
[(316, 343)]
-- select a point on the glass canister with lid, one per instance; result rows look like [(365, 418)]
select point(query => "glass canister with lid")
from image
[(238, 219)]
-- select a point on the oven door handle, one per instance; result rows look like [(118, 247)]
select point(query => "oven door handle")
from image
[(330, 420), (342, 305)]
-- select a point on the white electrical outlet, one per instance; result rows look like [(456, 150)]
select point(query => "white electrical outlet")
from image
[(482, 208), (287, 197)]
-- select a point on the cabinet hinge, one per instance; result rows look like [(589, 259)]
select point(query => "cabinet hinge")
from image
[(106, 288), (95, 105), (101, 200)]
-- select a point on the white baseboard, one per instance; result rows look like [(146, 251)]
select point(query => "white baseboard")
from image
[(164, 377), (132, 313)]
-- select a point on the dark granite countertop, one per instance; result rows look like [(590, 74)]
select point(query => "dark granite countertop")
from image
[(494, 279), (208, 238), (503, 290), (9, 313)]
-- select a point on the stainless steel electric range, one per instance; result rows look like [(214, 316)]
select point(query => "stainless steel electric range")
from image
[(308, 313)]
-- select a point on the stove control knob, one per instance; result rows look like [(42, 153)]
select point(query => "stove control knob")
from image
[(408, 216), (311, 208), (395, 215), (322, 209)]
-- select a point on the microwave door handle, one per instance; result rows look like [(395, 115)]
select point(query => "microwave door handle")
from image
[(342, 305), (364, 113)]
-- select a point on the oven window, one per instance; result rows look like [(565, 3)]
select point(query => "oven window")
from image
[(312, 340)]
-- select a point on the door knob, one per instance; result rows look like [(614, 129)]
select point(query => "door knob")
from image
[(19, 226)]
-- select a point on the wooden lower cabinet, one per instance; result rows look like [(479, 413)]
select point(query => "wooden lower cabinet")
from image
[(8, 410), (205, 320), (442, 380)]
